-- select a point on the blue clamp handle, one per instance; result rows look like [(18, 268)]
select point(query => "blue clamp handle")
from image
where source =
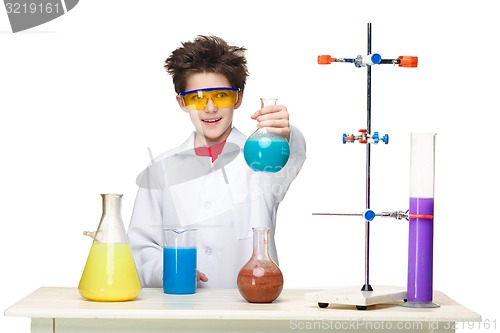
[(376, 138), (369, 215)]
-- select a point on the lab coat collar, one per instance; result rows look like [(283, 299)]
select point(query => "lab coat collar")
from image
[(235, 137), (182, 164), (185, 165), (234, 144)]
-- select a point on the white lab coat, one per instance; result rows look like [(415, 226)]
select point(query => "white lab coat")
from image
[(223, 200)]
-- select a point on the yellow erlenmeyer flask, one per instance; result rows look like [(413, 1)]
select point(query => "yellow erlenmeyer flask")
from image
[(110, 274)]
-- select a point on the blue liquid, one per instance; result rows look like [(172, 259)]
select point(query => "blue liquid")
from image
[(179, 270), (266, 154)]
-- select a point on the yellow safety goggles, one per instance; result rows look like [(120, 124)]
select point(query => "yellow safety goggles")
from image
[(221, 97)]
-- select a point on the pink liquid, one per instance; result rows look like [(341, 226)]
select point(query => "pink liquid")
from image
[(420, 248)]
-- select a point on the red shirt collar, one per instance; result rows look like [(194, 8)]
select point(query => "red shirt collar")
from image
[(213, 151)]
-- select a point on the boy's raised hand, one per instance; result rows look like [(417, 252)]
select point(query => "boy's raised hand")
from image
[(275, 118)]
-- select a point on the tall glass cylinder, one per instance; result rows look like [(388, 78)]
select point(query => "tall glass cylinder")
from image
[(421, 214)]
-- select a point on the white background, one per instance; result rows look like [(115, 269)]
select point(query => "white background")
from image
[(83, 96)]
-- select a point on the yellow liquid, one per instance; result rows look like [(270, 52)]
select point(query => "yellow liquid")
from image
[(110, 274)]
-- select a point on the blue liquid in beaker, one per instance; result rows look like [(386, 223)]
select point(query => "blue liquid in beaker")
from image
[(179, 270), (266, 152)]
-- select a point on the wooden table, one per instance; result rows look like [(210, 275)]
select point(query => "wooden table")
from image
[(59, 310)]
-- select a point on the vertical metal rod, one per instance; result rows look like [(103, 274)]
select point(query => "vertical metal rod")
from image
[(367, 286)]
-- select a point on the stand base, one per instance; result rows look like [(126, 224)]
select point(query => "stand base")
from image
[(354, 296), (416, 305)]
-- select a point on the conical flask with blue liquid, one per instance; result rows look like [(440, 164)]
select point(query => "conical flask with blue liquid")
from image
[(265, 151)]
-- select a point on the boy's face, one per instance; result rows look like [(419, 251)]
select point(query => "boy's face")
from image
[(212, 124)]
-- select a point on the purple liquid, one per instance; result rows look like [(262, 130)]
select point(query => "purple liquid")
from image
[(420, 251)]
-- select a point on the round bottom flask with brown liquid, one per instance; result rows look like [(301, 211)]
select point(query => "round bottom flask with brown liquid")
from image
[(260, 280)]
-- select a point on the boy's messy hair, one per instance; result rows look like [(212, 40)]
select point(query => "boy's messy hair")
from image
[(207, 54)]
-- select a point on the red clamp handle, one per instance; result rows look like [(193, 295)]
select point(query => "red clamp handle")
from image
[(325, 59), (408, 61)]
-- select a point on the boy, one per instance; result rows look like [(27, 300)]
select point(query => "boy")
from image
[(205, 183)]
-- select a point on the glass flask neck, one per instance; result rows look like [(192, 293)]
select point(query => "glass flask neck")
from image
[(111, 228), (111, 204), (266, 101), (261, 243)]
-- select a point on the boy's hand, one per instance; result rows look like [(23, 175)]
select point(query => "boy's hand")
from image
[(275, 118), (201, 277)]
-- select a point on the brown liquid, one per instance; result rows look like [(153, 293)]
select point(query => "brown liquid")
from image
[(262, 289)]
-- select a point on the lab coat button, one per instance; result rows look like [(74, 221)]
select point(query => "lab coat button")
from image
[(208, 251), (208, 204)]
